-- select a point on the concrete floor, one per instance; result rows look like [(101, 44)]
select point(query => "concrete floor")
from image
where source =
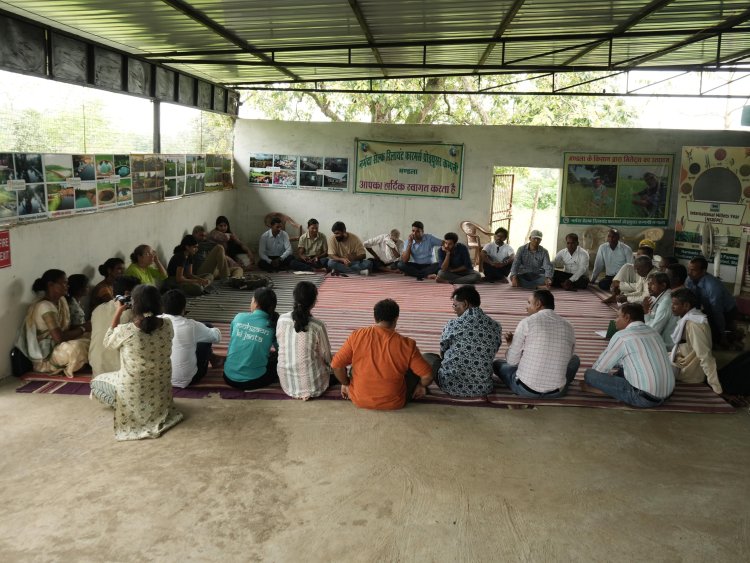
[(323, 481)]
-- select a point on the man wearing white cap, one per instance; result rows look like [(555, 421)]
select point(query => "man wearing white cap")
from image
[(532, 266)]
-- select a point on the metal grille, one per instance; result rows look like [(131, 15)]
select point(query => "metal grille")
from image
[(502, 201)]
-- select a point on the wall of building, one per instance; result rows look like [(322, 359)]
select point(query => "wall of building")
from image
[(485, 147), (79, 244)]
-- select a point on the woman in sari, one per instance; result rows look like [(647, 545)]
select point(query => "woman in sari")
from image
[(141, 391), (46, 336)]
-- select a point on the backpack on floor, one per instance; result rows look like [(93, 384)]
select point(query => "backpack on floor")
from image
[(19, 363), (735, 376), (251, 282)]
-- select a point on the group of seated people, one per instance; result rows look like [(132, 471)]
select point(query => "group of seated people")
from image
[(139, 342)]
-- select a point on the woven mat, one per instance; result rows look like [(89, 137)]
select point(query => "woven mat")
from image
[(346, 304)]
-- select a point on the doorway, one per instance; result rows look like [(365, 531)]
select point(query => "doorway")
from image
[(524, 199)]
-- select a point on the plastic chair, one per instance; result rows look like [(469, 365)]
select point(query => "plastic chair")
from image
[(296, 229), (474, 235)]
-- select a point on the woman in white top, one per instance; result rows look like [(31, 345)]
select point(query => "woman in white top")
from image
[(304, 365)]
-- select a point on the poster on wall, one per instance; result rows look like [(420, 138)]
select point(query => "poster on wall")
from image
[(122, 181), (147, 171), (4, 249), (174, 175), (712, 205), (415, 169), (195, 169), (85, 194), (213, 178), (8, 196), (616, 189), (61, 197), (307, 172)]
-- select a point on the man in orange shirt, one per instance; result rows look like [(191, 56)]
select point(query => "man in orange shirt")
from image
[(387, 368)]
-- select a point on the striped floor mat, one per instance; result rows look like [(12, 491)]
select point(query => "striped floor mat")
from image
[(346, 304)]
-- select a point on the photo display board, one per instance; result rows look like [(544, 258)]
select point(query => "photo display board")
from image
[(713, 202), (616, 189), (37, 186), (291, 171)]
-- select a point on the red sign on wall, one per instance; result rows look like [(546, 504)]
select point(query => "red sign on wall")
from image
[(4, 249)]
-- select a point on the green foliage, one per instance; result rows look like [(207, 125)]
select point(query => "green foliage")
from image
[(479, 109), (527, 181)]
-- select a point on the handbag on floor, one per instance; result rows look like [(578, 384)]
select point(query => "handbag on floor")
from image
[(19, 363)]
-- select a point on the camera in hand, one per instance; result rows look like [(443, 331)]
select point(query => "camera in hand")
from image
[(123, 299)]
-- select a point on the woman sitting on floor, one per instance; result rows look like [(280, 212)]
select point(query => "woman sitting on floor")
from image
[(46, 336), (180, 269), (102, 292), (304, 365), (78, 288), (235, 250), (145, 266), (141, 391), (250, 364)]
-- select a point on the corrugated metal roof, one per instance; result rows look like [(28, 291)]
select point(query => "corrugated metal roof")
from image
[(238, 42)]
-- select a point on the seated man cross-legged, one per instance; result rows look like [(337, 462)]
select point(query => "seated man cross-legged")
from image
[(540, 361), (191, 343), (385, 250), (417, 259), (691, 356), (634, 368), (531, 267), (275, 250), (467, 346), (312, 248), (497, 258), (574, 261), (387, 369), (346, 253), (455, 262)]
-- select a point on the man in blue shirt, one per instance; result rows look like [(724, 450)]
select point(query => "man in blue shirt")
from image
[(275, 250), (716, 302), (417, 259), (455, 262)]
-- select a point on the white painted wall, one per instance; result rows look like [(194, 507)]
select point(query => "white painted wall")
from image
[(79, 244), (485, 147)]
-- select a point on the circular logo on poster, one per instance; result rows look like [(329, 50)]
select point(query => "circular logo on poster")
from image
[(718, 184)]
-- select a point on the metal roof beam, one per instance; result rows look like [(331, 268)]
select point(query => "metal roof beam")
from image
[(633, 20), (585, 37), (708, 33), (511, 13), (365, 27), (223, 32)]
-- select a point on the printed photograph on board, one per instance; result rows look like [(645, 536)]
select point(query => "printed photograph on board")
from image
[(124, 192), (591, 190), (8, 204), (57, 167), (60, 199), (106, 194), (105, 166), (85, 194), (7, 168), (84, 167), (32, 202), (29, 167)]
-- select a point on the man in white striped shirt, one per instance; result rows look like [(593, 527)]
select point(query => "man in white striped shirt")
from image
[(634, 368), (540, 361)]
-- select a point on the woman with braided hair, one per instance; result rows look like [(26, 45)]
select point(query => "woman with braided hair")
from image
[(304, 365)]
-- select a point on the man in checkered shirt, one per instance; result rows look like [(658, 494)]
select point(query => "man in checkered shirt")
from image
[(540, 361)]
